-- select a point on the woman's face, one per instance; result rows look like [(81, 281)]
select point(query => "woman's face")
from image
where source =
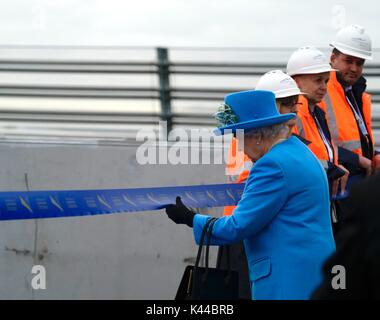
[(314, 85), (288, 105)]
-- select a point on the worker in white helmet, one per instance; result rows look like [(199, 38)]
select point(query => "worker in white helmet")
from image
[(285, 90), (348, 106), (310, 69), (239, 165)]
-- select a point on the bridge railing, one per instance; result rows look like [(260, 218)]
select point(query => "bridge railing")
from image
[(182, 92)]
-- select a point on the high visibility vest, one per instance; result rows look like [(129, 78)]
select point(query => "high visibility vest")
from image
[(342, 123), (307, 128), (237, 168)]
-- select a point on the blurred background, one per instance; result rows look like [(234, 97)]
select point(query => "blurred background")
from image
[(78, 79), (92, 70)]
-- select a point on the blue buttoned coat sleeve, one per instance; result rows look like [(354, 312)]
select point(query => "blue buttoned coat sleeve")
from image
[(264, 195)]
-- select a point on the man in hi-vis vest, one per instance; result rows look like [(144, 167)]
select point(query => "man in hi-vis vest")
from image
[(348, 106)]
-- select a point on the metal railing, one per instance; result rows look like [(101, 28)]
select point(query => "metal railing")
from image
[(164, 92)]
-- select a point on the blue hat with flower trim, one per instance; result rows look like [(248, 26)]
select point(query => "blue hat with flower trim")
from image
[(248, 110)]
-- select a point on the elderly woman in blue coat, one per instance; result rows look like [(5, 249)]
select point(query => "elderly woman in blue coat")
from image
[(283, 215)]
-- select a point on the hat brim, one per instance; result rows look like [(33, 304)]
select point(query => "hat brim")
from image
[(313, 71), (286, 94), (254, 124), (351, 53)]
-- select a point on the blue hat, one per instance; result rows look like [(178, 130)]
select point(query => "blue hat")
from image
[(249, 110)]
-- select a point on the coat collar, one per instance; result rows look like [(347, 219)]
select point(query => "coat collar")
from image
[(359, 86)]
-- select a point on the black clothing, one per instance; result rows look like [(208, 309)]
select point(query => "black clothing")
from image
[(239, 263), (358, 247)]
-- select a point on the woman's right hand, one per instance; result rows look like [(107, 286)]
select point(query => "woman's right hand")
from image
[(366, 164), (341, 180)]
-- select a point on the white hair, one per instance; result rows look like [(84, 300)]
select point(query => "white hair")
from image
[(268, 133)]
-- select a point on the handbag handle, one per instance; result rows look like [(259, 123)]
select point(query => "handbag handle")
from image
[(209, 227), (201, 243), (208, 240)]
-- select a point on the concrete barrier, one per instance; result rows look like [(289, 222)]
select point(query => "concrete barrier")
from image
[(118, 256)]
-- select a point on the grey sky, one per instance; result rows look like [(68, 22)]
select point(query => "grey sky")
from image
[(247, 23)]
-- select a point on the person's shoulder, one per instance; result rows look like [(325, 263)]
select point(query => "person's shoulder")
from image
[(293, 142), (299, 143), (277, 153), (275, 160), (267, 168), (292, 151), (270, 162), (302, 139)]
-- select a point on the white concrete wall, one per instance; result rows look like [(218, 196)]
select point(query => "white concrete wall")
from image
[(117, 256)]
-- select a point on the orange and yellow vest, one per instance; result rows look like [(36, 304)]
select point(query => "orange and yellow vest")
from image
[(238, 167), (340, 118), (307, 128)]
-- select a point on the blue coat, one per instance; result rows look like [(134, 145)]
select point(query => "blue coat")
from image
[(284, 219)]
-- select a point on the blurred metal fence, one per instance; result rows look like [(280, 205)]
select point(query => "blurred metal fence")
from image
[(163, 91)]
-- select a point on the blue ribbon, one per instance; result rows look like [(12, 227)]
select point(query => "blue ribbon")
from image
[(57, 204)]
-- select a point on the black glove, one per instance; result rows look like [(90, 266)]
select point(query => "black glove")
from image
[(179, 213)]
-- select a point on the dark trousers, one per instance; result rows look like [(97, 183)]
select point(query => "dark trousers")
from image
[(238, 262)]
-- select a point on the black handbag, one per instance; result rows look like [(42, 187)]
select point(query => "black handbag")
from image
[(206, 283)]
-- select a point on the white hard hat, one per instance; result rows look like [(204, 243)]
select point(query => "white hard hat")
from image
[(352, 40), (307, 60), (281, 84)]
